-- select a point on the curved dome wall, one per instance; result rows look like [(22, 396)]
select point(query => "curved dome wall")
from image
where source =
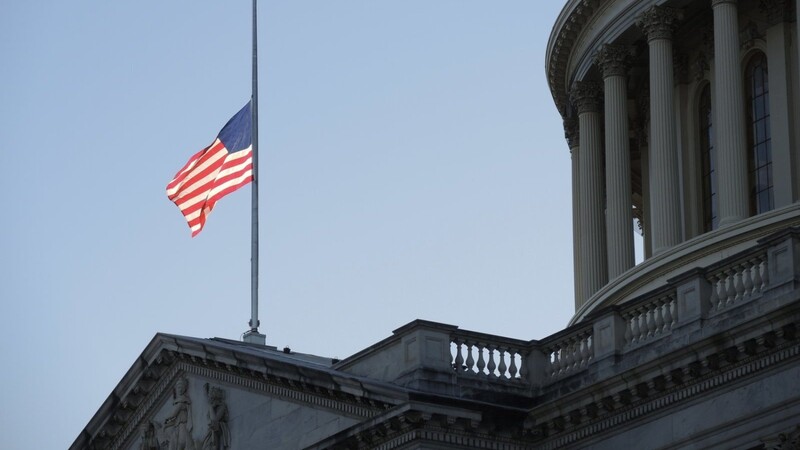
[(681, 116)]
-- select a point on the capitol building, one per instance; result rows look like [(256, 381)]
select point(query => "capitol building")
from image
[(682, 120)]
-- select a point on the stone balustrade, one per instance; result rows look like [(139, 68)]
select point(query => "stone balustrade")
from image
[(705, 251), (487, 356), (738, 281), (428, 355), (649, 318), (568, 352)]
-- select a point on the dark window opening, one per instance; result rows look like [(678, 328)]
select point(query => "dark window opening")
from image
[(759, 137)]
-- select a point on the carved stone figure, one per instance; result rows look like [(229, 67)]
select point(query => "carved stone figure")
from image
[(149, 439), (178, 425), (218, 436)]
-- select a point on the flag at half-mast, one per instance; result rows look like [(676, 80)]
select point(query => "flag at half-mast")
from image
[(214, 172)]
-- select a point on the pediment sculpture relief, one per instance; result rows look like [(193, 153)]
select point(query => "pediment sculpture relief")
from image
[(177, 430), (218, 436), (178, 425)]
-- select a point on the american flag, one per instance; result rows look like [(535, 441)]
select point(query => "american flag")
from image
[(215, 171)]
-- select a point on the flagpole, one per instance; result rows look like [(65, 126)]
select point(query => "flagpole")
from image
[(252, 335)]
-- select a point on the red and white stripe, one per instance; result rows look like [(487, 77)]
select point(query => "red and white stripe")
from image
[(209, 175)]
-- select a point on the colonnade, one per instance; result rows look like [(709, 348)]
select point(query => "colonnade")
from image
[(604, 243)]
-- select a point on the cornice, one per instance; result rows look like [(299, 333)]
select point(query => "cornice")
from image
[(567, 32), (572, 133), (147, 383), (416, 422), (570, 22), (670, 389)]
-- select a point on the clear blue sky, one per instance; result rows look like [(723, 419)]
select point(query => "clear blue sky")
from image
[(413, 166)]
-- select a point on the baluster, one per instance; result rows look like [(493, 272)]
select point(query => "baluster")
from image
[(747, 278), (554, 362), (565, 357), (578, 347), (589, 348), (635, 330), (523, 368), (481, 361), (577, 352), (643, 325), (649, 323), (738, 284), (730, 283), (668, 319), (581, 352), (502, 367), (764, 274), (512, 367), (492, 364), (721, 291), (458, 362), (659, 317), (470, 359), (757, 281), (586, 352)]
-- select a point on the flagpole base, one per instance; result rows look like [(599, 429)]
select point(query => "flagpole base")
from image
[(254, 337)]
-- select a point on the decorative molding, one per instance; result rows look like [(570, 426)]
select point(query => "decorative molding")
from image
[(587, 96), (659, 22), (414, 427), (571, 132), (736, 362), (789, 440), (613, 60), (561, 45), (748, 36), (116, 435), (700, 67), (218, 435), (178, 425), (776, 11)]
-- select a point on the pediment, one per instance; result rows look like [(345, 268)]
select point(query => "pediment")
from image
[(218, 395)]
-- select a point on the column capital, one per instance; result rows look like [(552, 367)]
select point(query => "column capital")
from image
[(586, 95), (613, 59), (659, 22), (719, 2), (572, 133)]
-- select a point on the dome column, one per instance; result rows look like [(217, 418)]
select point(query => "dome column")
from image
[(658, 24), (729, 115), (613, 61), (593, 259), (571, 134)]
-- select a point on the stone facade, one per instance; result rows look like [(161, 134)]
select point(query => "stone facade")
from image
[(709, 360), (697, 346)]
